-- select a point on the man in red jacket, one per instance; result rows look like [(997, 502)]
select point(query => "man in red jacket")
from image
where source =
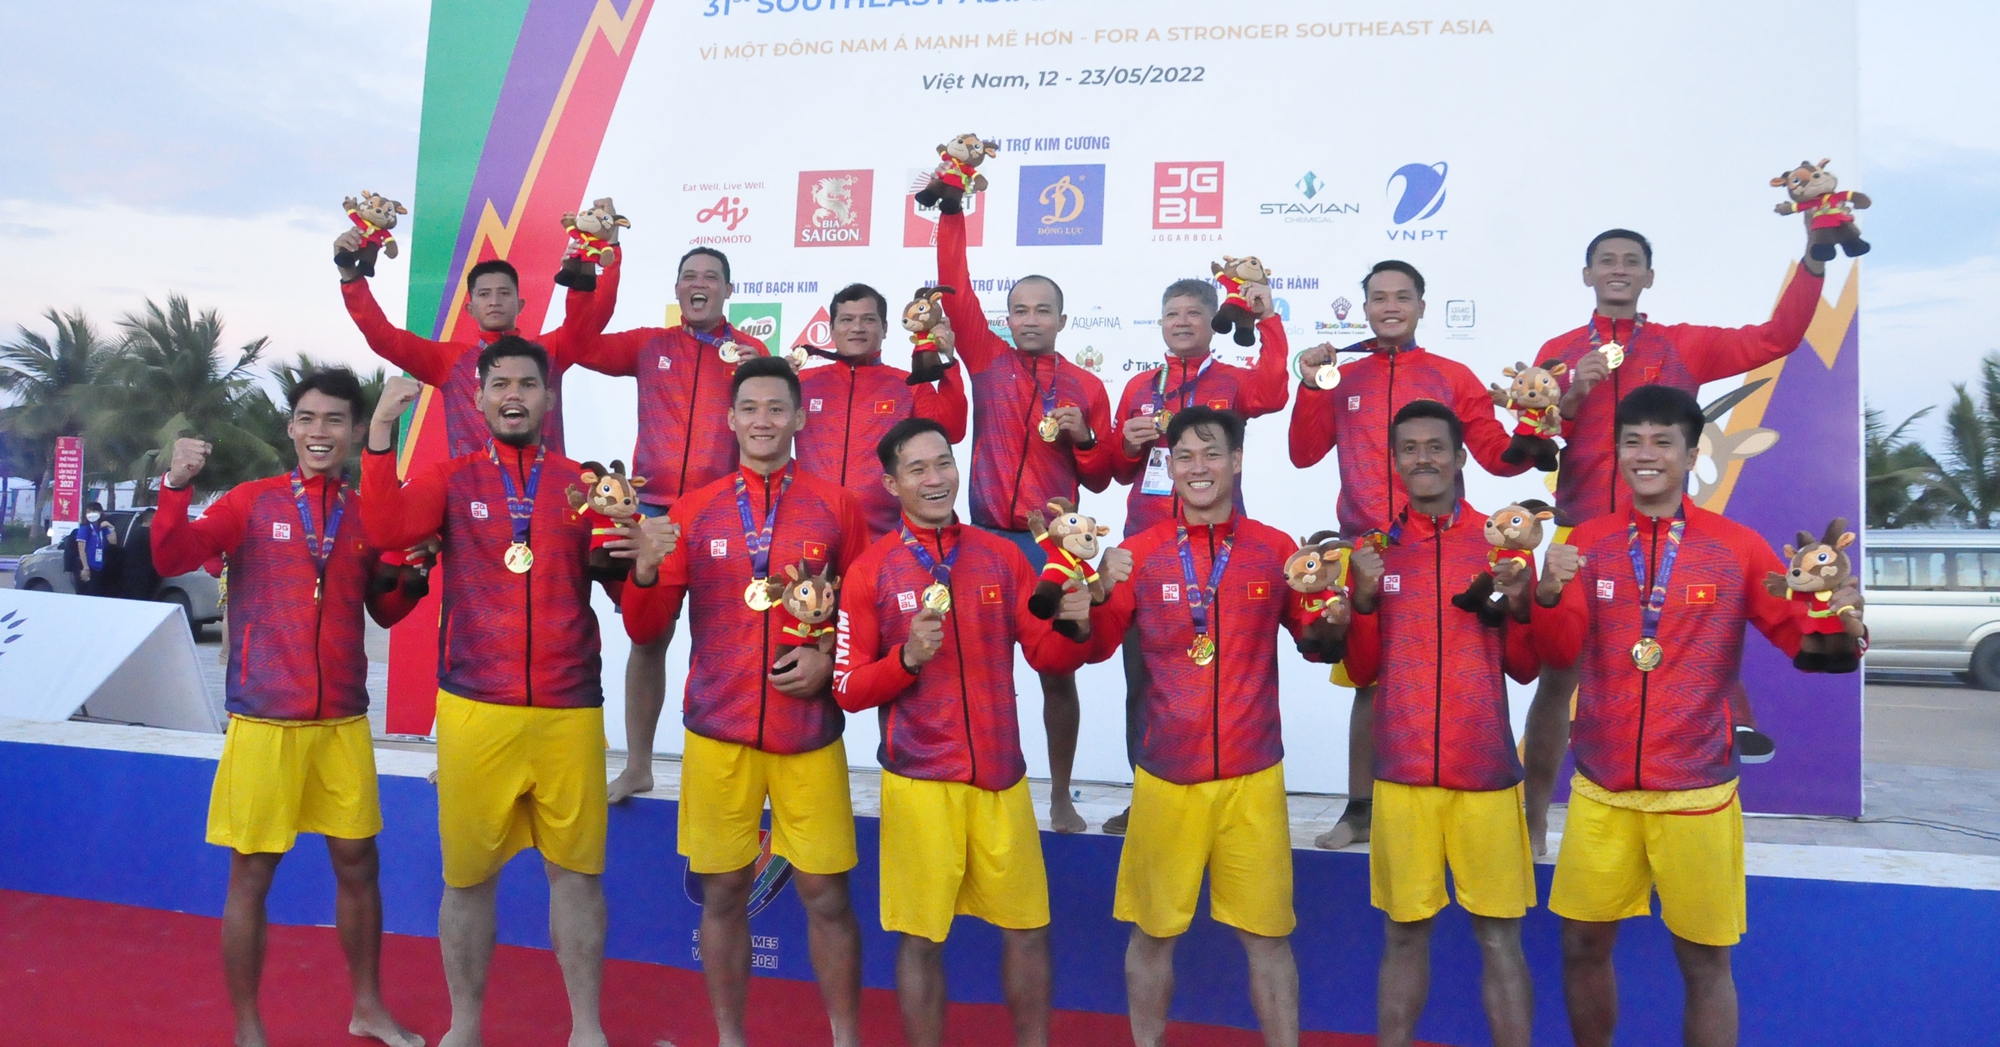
[(854, 401), (1445, 766), (684, 375), (1190, 377), (1651, 604), (760, 716), (1618, 267), (492, 303), (1206, 593), (930, 616), (1036, 423), (1355, 412), (520, 717), (298, 756)]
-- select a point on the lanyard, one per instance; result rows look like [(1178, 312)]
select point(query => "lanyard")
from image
[(319, 547), (759, 542), (1597, 340), (939, 572), (1049, 394), (1199, 598), (1187, 388), (520, 507), (713, 340), (1656, 597)]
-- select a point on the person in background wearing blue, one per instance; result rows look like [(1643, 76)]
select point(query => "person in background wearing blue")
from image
[(87, 553)]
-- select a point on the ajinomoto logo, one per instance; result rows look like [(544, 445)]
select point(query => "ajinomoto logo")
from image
[(1060, 204)]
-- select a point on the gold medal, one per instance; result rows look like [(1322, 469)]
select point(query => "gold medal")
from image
[(758, 595), (1203, 651), (1163, 419), (1049, 428), (1647, 654), (1614, 355), (937, 598), (1326, 376), (519, 558), (730, 352)]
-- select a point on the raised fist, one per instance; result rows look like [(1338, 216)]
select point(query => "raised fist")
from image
[(398, 393), (190, 454), (1318, 356), (1115, 568), (926, 638), (1364, 573), (1259, 297), (1559, 567)]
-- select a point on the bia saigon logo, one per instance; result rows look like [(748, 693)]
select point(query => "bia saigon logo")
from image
[(1061, 204), (1187, 198), (1420, 197), (834, 208)]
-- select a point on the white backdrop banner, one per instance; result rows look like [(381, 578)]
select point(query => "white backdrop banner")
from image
[(130, 661)]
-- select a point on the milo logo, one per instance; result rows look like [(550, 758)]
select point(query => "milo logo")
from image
[(762, 328)]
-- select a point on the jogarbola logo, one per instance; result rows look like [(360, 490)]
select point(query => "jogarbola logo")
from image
[(1061, 204), (10, 629), (773, 872)]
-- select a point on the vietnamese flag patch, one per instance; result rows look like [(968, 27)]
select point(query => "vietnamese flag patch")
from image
[(815, 551), (1260, 590), (885, 407), (989, 594), (1701, 593)]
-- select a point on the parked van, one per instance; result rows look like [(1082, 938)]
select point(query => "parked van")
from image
[(1934, 602)]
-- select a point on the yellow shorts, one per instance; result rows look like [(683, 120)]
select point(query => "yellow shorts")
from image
[(511, 777), (723, 788), (1420, 830), (280, 778), (1612, 859), (1238, 829), (1339, 674), (950, 848)]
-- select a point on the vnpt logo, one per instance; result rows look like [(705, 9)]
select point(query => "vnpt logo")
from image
[(1420, 197), (1061, 204), (1187, 195), (833, 208)]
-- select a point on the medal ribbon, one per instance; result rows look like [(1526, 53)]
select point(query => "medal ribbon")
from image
[(1187, 388), (759, 542), (1597, 340), (1049, 394), (940, 572), (714, 340), (1199, 598), (1656, 596), (520, 507), (319, 547)]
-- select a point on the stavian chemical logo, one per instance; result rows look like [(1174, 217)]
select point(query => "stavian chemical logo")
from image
[(1309, 210)]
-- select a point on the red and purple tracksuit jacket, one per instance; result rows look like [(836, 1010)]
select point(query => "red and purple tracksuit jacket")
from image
[(1248, 391), (503, 638), (850, 405), (1679, 355), (684, 438), (1203, 723), (729, 694), (954, 720), (291, 657), (1441, 710), (453, 367), (1013, 469), (1356, 414), (1671, 729)]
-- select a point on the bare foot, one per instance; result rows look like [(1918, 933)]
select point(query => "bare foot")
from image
[(376, 1024), (1063, 817), (1341, 835), (455, 1038), (590, 1038), (251, 1034), (1115, 825), (636, 778)]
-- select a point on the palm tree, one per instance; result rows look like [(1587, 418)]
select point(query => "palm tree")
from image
[(1902, 476), (269, 415), (176, 380), (1969, 482), (290, 374), (54, 385)]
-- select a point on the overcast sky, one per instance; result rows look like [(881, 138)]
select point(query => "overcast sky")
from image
[(194, 138)]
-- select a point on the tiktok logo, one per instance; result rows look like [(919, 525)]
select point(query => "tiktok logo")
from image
[(729, 210)]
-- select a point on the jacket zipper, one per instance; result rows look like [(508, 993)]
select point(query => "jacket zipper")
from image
[(1027, 434), (694, 404), (1215, 667), (1388, 426), (763, 683), (1437, 715), (319, 607), (964, 691), (847, 428), (1639, 746), (528, 598), (1611, 482)]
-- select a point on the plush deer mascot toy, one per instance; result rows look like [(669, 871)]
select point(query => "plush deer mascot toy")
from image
[(1313, 575), (1514, 533), (1832, 642), (1235, 274), (930, 335), (593, 234), (957, 173), (373, 215), (610, 502), (1532, 394), (804, 609), (1829, 214), (1070, 540)]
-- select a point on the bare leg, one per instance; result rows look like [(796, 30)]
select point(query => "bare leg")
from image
[(466, 927), (243, 924), (1710, 1016), (645, 696), (1404, 981), (725, 949), (920, 990), (1149, 986), (1590, 983), (1545, 741), (1029, 982), (1060, 715), (1505, 986), (358, 915), (576, 927), (1354, 824), (1274, 987), (834, 936)]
